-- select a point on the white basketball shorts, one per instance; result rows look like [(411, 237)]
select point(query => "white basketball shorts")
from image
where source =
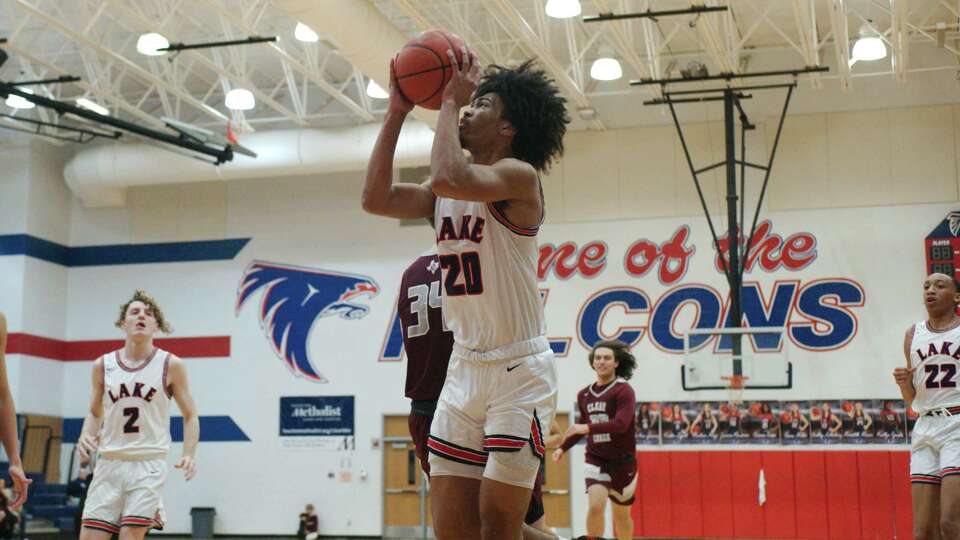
[(125, 494), (935, 449), (491, 416)]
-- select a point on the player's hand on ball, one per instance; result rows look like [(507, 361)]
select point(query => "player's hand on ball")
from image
[(189, 466), (21, 485), (557, 455), (465, 78), (903, 376), (86, 447), (398, 103)]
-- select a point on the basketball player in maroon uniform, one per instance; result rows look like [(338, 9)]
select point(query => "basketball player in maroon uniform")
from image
[(8, 426), (427, 344), (609, 408)]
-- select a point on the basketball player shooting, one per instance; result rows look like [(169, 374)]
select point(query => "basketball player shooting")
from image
[(929, 385), (8, 426), (486, 439), (608, 419), (128, 427)]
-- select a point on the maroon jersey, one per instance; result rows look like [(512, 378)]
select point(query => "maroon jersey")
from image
[(610, 412), (425, 340)]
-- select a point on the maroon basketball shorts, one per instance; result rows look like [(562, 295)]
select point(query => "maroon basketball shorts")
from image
[(619, 477)]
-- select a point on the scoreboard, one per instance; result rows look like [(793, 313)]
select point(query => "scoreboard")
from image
[(943, 246), (942, 254)]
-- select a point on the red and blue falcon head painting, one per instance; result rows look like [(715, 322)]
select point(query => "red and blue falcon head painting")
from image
[(294, 298)]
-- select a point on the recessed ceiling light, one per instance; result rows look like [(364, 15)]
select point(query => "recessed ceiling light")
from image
[(376, 91), (304, 33), (149, 43), (240, 99), (18, 102)]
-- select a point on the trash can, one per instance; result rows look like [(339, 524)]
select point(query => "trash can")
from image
[(202, 518)]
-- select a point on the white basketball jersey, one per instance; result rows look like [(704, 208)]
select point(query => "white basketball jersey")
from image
[(936, 355), (136, 407), (491, 301)]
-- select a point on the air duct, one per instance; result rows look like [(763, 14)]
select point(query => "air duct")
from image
[(100, 175)]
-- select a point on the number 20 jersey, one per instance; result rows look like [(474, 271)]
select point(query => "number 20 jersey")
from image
[(490, 295), (936, 357), (136, 407)]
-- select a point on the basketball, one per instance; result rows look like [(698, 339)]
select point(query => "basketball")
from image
[(423, 68), (785, 417)]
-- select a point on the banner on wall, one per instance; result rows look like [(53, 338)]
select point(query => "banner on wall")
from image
[(837, 421), (325, 422)]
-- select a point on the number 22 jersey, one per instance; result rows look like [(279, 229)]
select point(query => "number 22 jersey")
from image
[(491, 301), (936, 357)]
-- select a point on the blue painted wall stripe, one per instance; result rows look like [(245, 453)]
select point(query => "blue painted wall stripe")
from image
[(116, 254), (212, 429)]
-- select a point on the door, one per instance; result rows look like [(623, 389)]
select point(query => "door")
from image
[(406, 508), (556, 488), (406, 504)]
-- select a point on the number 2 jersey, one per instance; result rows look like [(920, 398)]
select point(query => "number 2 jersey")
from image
[(936, 357), (136, 407), (491, 301)]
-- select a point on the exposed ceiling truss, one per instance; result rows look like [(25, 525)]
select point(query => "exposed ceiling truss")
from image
[(310, 85)]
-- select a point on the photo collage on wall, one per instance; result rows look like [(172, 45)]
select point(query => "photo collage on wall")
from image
[(845, 421)]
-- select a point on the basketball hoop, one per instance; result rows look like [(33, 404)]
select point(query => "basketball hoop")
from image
[(735, 385)]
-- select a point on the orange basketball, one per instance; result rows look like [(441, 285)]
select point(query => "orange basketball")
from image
[(423, 68), (847, 406), (785, 417)]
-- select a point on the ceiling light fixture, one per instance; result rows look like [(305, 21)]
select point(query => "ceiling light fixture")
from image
[(18, 102), (868, 46), (376, 91), (240, 99), (306, 34), (92, 106), (562, 9), (148, 44), (606, 68)]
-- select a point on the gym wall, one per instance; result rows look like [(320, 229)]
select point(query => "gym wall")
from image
[(892, 187)]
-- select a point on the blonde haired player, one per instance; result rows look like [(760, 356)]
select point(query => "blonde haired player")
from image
[(129, 427), (929, 385), (8, 426)]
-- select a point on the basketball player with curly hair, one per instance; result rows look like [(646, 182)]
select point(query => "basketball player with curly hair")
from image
[(608, 410), (128, 427), (486, 440)]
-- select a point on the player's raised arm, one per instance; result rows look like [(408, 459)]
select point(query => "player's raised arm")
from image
[(180, 390), (381, 196), (487, 178), (8, 425)]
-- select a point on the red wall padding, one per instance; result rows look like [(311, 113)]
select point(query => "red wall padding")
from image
[(810, 494)]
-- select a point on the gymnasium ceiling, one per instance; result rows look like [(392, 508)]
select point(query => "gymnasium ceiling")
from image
[(312, 85)]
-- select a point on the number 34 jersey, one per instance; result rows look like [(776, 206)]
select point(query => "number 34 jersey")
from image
[(490, 295), (136, 407), (936, 357)]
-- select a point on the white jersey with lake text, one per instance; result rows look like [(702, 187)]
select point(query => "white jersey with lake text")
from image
[(136, 407), (491, 301), (936, 357)]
